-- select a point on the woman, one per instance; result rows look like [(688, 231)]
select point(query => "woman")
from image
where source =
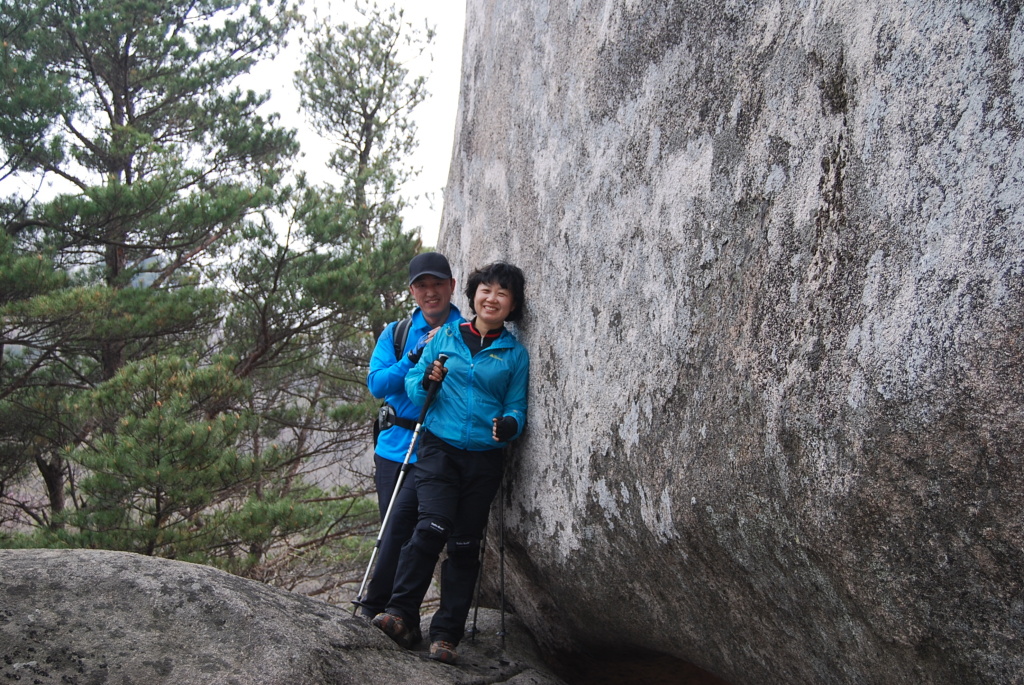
[(479, 408)]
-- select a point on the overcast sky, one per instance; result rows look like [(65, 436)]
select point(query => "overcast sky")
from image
[(435, 117)]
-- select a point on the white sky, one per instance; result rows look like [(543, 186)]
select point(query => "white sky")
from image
[(441, 63)]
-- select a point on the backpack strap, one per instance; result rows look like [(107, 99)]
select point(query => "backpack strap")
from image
[(386, 413), (401, 335)]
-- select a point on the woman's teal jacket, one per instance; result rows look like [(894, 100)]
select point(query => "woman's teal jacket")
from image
[(475, 390)]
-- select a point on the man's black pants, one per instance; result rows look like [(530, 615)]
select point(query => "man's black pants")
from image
[(399, 528)]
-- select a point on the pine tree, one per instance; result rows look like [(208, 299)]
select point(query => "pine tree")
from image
[(185, 325), (156, 161)]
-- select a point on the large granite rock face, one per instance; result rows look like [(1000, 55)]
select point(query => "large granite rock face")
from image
[(78, 616), (775, 267)]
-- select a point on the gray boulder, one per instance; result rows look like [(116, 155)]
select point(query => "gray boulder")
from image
[(775, 254), (77, 616)]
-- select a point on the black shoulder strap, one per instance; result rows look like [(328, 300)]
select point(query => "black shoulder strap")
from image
[(401, 335)]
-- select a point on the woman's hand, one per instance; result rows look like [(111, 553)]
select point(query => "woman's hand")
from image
[(504, 428), (437, 372), (434, 374)]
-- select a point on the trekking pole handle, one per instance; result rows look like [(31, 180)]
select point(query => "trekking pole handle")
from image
[(434, 385)]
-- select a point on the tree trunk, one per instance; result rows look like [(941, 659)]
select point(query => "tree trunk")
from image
[(53, 476)]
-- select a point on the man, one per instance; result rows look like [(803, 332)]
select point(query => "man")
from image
[(431, 285)]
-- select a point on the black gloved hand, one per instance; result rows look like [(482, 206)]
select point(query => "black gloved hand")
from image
[(504, 428), (427, 380)]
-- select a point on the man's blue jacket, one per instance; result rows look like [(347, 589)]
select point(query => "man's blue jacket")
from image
[(386, 381)]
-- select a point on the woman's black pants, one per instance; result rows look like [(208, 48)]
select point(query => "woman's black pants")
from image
[(455, 489)]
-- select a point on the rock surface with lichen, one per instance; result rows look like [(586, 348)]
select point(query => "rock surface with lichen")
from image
[(776, 300), (90, 616)]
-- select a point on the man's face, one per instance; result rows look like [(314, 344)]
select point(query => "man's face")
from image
[(432, 296)]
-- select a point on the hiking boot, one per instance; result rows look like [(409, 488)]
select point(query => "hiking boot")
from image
[(443, 651), (396, 628)]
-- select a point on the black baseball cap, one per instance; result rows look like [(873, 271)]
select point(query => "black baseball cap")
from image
[(429, 264)]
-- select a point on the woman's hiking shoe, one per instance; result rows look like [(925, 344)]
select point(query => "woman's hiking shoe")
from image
[(443, 651), (395, 628)]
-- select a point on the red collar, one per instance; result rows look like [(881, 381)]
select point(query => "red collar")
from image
[(490, 334)]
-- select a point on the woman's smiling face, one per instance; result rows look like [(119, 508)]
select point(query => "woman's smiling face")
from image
[(492, 304)]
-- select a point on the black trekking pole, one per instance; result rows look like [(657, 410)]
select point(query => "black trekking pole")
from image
[(501, 556), (501, 540), (398, 484), (483, 545), (479, 578)]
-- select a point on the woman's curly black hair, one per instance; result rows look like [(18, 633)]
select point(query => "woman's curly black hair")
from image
[(506, 276)]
